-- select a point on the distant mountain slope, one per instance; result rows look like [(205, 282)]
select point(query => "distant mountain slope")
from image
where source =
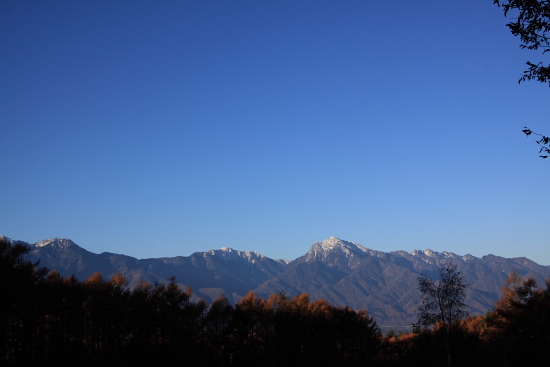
[(346, 273), (342, 272), (211, 273)]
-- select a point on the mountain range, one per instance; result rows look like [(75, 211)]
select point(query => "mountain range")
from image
[(342, 272)]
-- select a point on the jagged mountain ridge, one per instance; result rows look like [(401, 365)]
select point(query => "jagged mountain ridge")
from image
[(211, 273), (342, 272)]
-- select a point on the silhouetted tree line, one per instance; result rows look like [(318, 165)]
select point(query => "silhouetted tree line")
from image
[(515, 333), (48, 320)]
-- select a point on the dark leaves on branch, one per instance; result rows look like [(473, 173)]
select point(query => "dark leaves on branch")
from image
[(536, 72), (532, 25), (543, 142)]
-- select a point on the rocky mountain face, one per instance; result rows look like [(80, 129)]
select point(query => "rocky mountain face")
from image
[(342, 272), (345, 273)]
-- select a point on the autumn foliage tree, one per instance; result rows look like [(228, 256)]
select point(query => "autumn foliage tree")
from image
[(46, 319), (50, 320), (520, 323)]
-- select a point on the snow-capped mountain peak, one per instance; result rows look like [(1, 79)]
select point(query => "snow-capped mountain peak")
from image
[(336, 252), (332, 244), (227, 253), (57, 242), (434, 257)]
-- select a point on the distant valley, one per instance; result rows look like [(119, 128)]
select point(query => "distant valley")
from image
[(342, 272)]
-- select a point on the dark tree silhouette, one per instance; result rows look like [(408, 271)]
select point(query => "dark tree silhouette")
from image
[(520, 323), (217, 331), (48, 320), (20, 282), (543, 142), (443, 302), (532, 25)]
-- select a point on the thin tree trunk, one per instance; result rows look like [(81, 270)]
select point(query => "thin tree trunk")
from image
[(448, 350)]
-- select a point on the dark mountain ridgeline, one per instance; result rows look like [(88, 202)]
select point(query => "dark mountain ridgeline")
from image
[(341, 272)]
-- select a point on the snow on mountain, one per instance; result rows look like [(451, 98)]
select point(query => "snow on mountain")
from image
[(335, 245), (342, 272), (434, 257), (340, 253), (58, 242), (227, 253), (9, 240)]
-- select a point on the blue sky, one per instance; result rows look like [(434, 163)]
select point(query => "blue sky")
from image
[(164, 128)]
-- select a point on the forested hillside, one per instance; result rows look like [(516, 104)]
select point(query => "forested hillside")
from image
[(341, 272), (48, 320)]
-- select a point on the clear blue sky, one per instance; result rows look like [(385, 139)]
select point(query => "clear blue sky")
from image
[(161, 128)]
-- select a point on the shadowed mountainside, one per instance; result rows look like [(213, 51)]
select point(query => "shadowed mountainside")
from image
[(342, 272)]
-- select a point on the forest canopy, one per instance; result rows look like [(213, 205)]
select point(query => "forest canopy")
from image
[(46, 319)]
